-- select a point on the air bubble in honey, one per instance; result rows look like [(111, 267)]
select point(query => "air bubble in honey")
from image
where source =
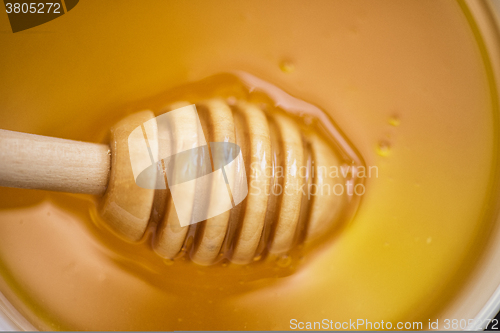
[(394, 121), (287, 66), (383, 148), (284, 261)]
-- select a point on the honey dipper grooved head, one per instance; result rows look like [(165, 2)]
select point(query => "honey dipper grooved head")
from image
[(290, 196)]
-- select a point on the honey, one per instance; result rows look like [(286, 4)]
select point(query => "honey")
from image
[(405, 82)]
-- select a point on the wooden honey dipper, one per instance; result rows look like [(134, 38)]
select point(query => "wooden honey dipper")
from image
[(266, 221)]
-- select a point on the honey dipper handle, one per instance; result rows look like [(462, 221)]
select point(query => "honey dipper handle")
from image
[(53, 164)]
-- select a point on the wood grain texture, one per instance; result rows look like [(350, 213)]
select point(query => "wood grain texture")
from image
[(291, 159), (45, 163), (170, 234), (258, 161), (220, 128), (126, 207)]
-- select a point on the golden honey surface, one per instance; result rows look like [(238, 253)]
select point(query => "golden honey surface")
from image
[(404, 81)]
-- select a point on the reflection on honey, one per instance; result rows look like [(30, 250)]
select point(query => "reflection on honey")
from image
[(404, 81)]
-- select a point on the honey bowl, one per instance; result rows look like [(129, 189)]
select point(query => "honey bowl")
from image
[(411, 86)]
